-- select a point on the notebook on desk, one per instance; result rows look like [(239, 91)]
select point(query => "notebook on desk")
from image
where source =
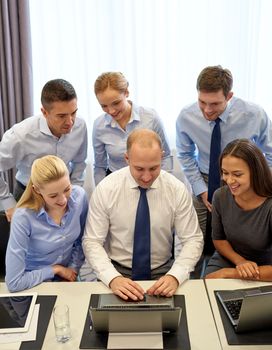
[(153, 314), (248, 309)]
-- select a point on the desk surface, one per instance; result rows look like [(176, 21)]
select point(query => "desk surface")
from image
[(202, 331), (216, 284)]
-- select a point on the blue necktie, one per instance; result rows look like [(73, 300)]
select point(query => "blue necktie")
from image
[(214, 171), (141, 269)]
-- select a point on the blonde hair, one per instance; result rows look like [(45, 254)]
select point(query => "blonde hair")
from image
[(113, 80), (143, 137), (43, 171)]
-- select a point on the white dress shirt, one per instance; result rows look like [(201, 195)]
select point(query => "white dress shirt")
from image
[(110, 224), (32, 139)]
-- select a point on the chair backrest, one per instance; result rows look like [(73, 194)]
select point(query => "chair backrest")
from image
[(4, 237), (208, 244)]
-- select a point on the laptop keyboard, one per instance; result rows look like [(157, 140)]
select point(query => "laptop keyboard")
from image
[(234, 307)]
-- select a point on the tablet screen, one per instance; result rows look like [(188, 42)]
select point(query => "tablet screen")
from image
[(16, 311)]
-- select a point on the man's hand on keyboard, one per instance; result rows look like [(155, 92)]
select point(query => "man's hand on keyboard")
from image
[(126, 289)]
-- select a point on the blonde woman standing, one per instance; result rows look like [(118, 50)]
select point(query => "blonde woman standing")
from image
[(121, 116), (46, 229)]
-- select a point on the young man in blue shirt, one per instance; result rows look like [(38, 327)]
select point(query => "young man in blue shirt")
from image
[(195, 124)]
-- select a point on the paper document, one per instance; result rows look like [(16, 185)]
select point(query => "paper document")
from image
[(127, 341)]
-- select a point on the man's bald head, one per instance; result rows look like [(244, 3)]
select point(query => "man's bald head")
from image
[(145, 138), (144, 155)]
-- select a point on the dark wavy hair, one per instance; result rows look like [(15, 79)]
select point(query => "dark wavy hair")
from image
[(260, 173)]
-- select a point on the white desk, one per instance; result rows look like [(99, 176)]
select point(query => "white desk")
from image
[(216, 284), (202, 331)]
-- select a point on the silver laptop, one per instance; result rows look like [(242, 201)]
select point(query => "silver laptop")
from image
[(248, 309), (153, 314)]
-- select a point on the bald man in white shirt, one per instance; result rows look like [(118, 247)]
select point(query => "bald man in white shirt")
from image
[(109, 232)]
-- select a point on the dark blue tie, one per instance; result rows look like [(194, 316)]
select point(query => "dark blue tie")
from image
[(214, 171), (141, 269)]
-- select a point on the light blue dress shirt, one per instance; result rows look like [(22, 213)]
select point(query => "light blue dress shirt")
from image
[(36, 243), (109, 140), (240, 119), (32, 139)]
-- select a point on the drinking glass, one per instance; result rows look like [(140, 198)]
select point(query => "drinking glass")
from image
[(62, 323)]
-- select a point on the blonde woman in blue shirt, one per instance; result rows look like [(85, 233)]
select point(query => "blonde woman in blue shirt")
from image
[(46, 228), (111, 129)]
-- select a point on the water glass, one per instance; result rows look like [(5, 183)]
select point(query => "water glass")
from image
[(62, 323)]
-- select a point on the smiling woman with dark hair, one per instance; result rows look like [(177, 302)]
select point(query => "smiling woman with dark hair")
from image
[(242, 215)]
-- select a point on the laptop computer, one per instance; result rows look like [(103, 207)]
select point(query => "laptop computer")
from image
[(248, 309), (153, 314)]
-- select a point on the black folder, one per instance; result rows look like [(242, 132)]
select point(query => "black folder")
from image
[(47, 303)]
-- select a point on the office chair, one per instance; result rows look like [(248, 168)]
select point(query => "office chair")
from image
[(4, 237)]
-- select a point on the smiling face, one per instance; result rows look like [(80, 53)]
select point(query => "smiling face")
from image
[(60, 116), (56, 194), (236, 174), (115, 104), (213, 104), (144, 163)]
